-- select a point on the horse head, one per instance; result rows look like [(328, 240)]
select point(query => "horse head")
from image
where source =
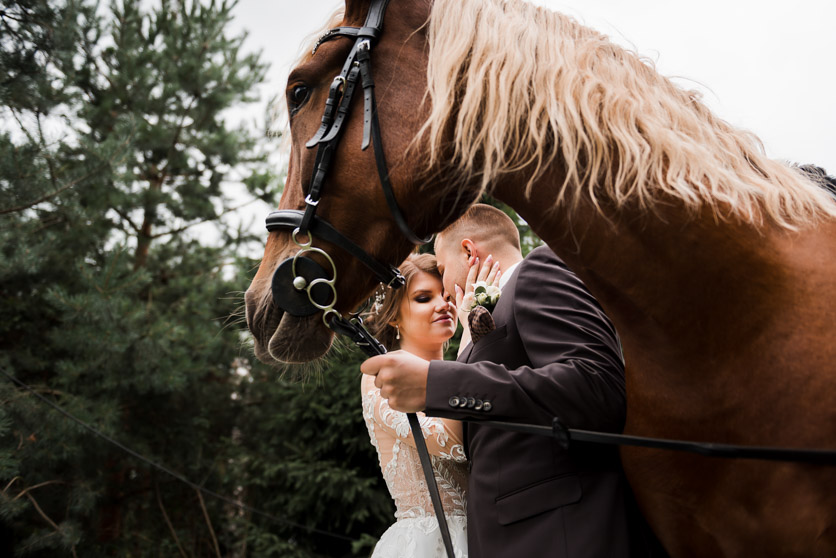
[(335, 173)]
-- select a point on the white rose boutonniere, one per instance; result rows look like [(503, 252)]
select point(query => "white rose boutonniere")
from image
[(478, 299), (483, 294)]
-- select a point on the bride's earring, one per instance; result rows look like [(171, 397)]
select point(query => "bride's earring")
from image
[(398, 329)]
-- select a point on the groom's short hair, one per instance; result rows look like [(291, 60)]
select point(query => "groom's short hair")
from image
[(482, 223)]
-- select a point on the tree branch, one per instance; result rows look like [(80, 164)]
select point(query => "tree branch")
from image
[(208, 522), (58, 189), (27, 489), (49, 196), (125, 218), (42, 514), (48, 520), (49, 162), (167, 520), (216, 217), (11, 482), (23, 128)]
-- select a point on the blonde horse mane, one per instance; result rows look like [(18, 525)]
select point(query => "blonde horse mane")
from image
[(524, 88)]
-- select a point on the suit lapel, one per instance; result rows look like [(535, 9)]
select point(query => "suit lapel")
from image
[(502, 314), (465, 356)]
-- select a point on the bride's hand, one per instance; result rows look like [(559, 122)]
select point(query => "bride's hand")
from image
[(487, 271)]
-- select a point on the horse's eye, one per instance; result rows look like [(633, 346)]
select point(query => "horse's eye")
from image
[(297, 97)]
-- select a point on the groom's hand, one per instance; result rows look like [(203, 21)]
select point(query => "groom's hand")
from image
[(402, 379)]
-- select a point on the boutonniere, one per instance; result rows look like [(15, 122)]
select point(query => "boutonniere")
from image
[(482, 295)]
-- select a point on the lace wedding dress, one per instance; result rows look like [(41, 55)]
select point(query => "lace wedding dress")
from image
[(415, 533)]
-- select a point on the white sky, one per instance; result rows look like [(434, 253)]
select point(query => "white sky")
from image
[(769, 67)]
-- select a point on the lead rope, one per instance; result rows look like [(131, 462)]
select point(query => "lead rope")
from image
[(355, 331)]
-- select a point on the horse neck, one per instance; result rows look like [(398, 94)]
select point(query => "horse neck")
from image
[(685, 291)]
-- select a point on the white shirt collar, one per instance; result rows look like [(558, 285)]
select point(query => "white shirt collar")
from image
[(506, 275)]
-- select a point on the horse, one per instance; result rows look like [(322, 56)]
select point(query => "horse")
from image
[(716, 264)]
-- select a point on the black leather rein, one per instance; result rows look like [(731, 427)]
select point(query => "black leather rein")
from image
[(565, 436)]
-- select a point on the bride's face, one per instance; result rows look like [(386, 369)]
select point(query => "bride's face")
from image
[(426, 315)]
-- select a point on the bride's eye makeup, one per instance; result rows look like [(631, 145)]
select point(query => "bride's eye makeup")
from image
[(422, 296)]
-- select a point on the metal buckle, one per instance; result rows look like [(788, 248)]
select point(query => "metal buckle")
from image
[(310, 201), (396, 278)]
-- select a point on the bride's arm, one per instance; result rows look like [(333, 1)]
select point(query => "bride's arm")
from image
[(443, 436)]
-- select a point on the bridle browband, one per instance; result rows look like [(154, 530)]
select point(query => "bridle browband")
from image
[(300, 285)]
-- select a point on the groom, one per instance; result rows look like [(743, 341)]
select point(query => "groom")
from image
[(553, 353)]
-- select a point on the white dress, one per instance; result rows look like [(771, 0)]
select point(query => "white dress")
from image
[(415, 533)]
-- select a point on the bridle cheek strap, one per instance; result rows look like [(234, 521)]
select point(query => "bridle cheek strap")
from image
[(371, 131), (337, 106)]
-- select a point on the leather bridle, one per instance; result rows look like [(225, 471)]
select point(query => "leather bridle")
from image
[(301, 286), (312, 288)]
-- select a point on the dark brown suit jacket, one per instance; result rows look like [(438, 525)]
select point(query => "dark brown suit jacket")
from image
[(553, 353)]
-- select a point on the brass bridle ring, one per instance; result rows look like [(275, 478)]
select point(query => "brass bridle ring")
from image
[(303, 245), (330, 283), (306, 247)]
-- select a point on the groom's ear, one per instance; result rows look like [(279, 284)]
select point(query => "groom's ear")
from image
[(469, 249)]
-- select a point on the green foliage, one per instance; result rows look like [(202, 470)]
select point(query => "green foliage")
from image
[(326, 462)]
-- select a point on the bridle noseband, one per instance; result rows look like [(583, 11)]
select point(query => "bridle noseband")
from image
[(300, 285)]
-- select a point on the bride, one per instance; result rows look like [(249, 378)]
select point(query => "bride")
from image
[(419, 318)]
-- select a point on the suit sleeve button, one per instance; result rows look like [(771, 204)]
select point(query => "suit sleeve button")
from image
[(478, 405), (463, 402), (470, 402), (454, 401), (486, 406)]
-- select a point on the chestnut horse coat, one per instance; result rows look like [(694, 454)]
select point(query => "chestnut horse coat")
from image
[(553, 353)]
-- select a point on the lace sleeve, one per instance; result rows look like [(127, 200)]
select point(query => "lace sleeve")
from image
[(443, 436)]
